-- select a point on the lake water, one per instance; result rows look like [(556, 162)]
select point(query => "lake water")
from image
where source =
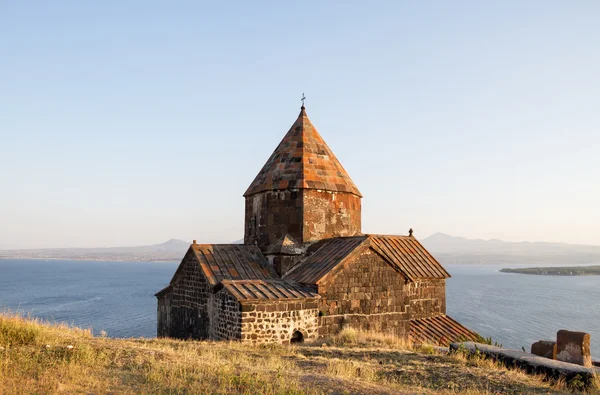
[(118, 297)]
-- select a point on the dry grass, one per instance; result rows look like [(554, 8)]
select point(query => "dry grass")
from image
[(36, 358)]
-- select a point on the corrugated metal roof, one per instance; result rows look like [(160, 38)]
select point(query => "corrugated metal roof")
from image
[(441, 330), (244, 290), (302, 160), (232, 262), (317, 265), (413, 260), (403, 252)]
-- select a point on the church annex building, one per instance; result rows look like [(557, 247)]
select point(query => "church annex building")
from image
[(305, 269)]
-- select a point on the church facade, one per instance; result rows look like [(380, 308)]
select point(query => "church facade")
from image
[(305, 270)]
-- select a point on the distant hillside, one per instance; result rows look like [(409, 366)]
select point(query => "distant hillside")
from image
[(446, 248), (451, 249), (172, 250)]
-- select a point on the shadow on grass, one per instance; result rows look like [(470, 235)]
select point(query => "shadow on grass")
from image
[(435, 372)]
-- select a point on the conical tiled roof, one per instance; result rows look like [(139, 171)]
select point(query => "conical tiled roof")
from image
[(303, 161)]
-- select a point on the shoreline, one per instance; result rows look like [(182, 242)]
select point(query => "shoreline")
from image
[(565, 271)]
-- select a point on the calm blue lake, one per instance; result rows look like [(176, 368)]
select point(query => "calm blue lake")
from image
[(118, 297)]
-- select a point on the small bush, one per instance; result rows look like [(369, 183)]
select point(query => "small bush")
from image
[(16, 331), (426, 349), (347, 336)]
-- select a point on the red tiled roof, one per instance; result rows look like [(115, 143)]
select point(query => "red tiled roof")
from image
[(325, 259), (441, 330), (302, 160), (405, 253), (232, 262), (413, 260), (244, 290)]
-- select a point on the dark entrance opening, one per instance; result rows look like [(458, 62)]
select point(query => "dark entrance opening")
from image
[(297, 337)]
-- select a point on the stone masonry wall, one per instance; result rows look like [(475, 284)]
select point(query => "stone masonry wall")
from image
[(275, 322), (272, 214), (306, 215), (163, 328), (283, 263), (189, 308), (368, 294), (427, 298), (330, 214), (225, 314)]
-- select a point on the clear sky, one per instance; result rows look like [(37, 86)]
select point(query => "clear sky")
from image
[(132, 122)]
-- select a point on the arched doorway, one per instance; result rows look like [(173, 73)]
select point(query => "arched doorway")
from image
[(297, 337)]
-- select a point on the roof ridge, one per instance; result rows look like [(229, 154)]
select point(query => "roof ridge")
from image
[(268, 280), (382, 235), (221, 245)]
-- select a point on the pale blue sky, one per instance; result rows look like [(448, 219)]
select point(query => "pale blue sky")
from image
[(132, 122)]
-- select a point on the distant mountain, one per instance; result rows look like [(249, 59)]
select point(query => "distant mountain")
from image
[(452, 249), (446, 248), (171, 250)]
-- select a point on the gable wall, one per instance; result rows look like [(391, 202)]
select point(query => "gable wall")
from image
[(427, 298), (366, 294), (163, 327), (189, 305)]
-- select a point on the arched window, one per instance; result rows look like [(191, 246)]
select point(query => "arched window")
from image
[(297, 337)]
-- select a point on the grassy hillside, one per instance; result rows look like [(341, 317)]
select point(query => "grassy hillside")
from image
[(41, 358)]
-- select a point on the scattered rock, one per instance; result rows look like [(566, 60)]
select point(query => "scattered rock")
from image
[(573, 347), (544, 348), (531, 363)]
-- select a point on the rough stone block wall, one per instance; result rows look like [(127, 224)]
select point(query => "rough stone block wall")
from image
[(189, 316), (275, 322), (272, 214), (225, 314), (330, 214), (306, 215), (367, 294), (283, 263), (427, 298), (544, 348), (163, 328)]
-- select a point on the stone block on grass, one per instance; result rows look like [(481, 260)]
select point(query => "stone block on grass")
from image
[(573, 347), (544, 348)]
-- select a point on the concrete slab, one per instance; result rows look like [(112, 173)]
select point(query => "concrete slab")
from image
[(530, 362)]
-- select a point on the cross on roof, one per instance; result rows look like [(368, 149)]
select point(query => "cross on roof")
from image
[(303, 98)]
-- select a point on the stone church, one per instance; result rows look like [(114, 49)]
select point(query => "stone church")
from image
[(305, 269)]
